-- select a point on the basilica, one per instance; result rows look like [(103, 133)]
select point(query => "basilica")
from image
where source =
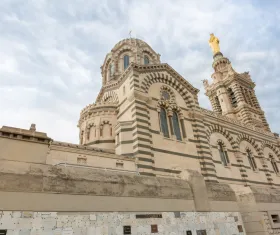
[(150, 159)]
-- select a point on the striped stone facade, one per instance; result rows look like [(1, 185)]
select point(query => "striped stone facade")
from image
[(132, 101), (146, 145)]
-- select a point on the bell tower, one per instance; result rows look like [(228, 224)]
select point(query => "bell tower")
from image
[(232, 94)]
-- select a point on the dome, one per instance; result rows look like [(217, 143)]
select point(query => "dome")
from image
[(123, 53), (131, 41)]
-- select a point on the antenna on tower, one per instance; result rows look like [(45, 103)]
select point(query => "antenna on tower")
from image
[(130, 33)]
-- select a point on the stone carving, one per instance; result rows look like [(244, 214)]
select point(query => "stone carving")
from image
[(205, 83)]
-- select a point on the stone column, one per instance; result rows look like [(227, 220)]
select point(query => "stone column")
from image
[(170, 114), (182, 122)]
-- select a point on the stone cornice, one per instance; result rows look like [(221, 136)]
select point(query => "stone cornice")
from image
[(97, 109), (87, 150), (147, 69), (235, 121), (24, 135)]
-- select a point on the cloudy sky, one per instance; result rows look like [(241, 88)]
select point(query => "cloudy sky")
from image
[(51, 51)]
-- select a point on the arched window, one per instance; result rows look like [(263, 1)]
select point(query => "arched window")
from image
[(165, 95), (218, 105), (125, 61), (274, 164), (176, 126), (163, 122), (146, 60), (232, 98), (251, 160), (111, 69), (223, 154)]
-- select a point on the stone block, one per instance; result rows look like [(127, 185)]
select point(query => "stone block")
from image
[(254, 226)]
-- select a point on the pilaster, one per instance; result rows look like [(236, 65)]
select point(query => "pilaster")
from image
[(141, 136), (203, 150)]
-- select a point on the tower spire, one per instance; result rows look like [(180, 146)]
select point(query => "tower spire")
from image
[(232, 94)]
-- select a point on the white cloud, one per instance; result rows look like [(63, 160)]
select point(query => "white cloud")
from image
[(51, 51)]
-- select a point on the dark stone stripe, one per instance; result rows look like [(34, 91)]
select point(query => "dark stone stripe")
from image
[(142, 120), (207, 163), (141, 146), (155, 132), (139, 108), (209, 175), (204, 152), (141, 133), (202, 147), (152, 108), (200, 136), (141, 127), (140, 102), (147, 174), (127, 129), (175, 153), (128, 154), (129, 106), (199, 131), (144, 153), (141, 114), (142, 139), (145, 166), (122, 102), (146, 159), (212, 181), (198, 141), (208, 169), (126, 142), (197, 125), (100, 142)]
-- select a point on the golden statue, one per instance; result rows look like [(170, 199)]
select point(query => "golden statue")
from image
[(214, 43)]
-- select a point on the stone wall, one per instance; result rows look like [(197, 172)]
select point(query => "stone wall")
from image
[(118, 223)]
